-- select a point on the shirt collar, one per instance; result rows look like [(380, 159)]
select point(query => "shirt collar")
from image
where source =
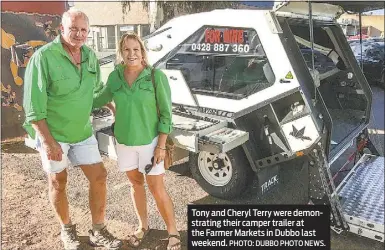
[(145, 72)]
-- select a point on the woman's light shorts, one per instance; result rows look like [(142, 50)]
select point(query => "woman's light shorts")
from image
[(137, 157)]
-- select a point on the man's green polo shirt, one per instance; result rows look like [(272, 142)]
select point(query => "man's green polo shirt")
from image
[(56, 90), (136, 121)]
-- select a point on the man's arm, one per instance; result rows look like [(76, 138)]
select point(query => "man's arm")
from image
[(35, 105)]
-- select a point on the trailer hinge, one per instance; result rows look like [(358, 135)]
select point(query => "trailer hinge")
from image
[(328, 186), (273, 22)]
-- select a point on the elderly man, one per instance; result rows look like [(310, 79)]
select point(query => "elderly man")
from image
[(58, 93)]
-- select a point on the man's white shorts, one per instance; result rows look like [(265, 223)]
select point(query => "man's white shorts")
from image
[(82, 153), (137, 157)]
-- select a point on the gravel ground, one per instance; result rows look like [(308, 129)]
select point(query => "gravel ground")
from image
[(29, 223)]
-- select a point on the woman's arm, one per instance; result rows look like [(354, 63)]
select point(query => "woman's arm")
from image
[(163, 95), (103, 94), (160, 150), (102, 98)]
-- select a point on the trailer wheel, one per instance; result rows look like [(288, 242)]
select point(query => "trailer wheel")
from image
[(224, 175)]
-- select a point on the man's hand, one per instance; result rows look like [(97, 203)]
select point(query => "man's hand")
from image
[(50, 145), (53, 150)]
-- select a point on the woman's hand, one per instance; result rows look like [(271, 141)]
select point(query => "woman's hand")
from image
[(159, 155), (111, 107)]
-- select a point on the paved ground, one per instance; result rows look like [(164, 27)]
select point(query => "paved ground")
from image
[(28, 222)]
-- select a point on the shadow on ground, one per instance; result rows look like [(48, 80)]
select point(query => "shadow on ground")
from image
[(155, 240), (16, 147)]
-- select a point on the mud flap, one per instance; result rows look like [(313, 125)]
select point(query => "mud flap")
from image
[(268, 179)]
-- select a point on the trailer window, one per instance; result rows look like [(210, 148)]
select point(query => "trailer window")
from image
[(196, 70), (242, 75), (223, 61)]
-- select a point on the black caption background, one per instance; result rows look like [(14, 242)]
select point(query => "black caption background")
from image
[(222, 240)]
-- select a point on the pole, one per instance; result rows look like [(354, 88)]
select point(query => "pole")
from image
[(312, 46), (360, 28)]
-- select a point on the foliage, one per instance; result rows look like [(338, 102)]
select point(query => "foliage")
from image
[(172, 9), (126, 6)]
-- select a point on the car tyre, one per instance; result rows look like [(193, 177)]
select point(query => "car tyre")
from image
[(224, 175)]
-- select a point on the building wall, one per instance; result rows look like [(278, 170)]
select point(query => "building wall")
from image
[(110, 13), (25, 27), (376, 21), (43, 7), (108, 23)]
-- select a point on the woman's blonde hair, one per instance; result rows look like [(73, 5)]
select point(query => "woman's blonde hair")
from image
[(134, 36)]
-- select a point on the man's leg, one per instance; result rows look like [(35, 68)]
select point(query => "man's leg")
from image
[(85, 154), (58, 197), (99, 235), (97, 176), (57, 182)]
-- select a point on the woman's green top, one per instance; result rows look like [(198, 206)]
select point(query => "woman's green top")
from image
[(136, 120)]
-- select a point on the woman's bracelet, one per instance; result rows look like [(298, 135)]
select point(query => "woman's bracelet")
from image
[(161, 148)]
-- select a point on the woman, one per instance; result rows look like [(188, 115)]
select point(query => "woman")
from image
[(141, 132)]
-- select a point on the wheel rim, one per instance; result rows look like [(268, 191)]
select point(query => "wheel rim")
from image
[(216, 169)]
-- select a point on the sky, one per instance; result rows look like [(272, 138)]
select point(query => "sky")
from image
[(376, 12)]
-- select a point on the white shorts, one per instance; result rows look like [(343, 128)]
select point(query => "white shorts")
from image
[(137, 157), (82, 153)]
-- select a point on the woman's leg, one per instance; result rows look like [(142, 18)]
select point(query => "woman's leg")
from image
[(164, 204), (138, 196)]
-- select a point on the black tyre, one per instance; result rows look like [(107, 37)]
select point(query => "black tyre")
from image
[(221, 175)]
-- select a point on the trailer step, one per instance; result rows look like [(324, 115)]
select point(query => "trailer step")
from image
[(361, 194), (187, 128)]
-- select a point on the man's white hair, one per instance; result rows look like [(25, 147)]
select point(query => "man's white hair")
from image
[(73, 12)]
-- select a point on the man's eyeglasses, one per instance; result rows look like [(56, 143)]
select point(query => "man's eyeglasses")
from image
[(148, 167), (82, 31)]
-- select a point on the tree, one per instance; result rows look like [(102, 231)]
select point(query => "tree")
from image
[(161, 11)]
